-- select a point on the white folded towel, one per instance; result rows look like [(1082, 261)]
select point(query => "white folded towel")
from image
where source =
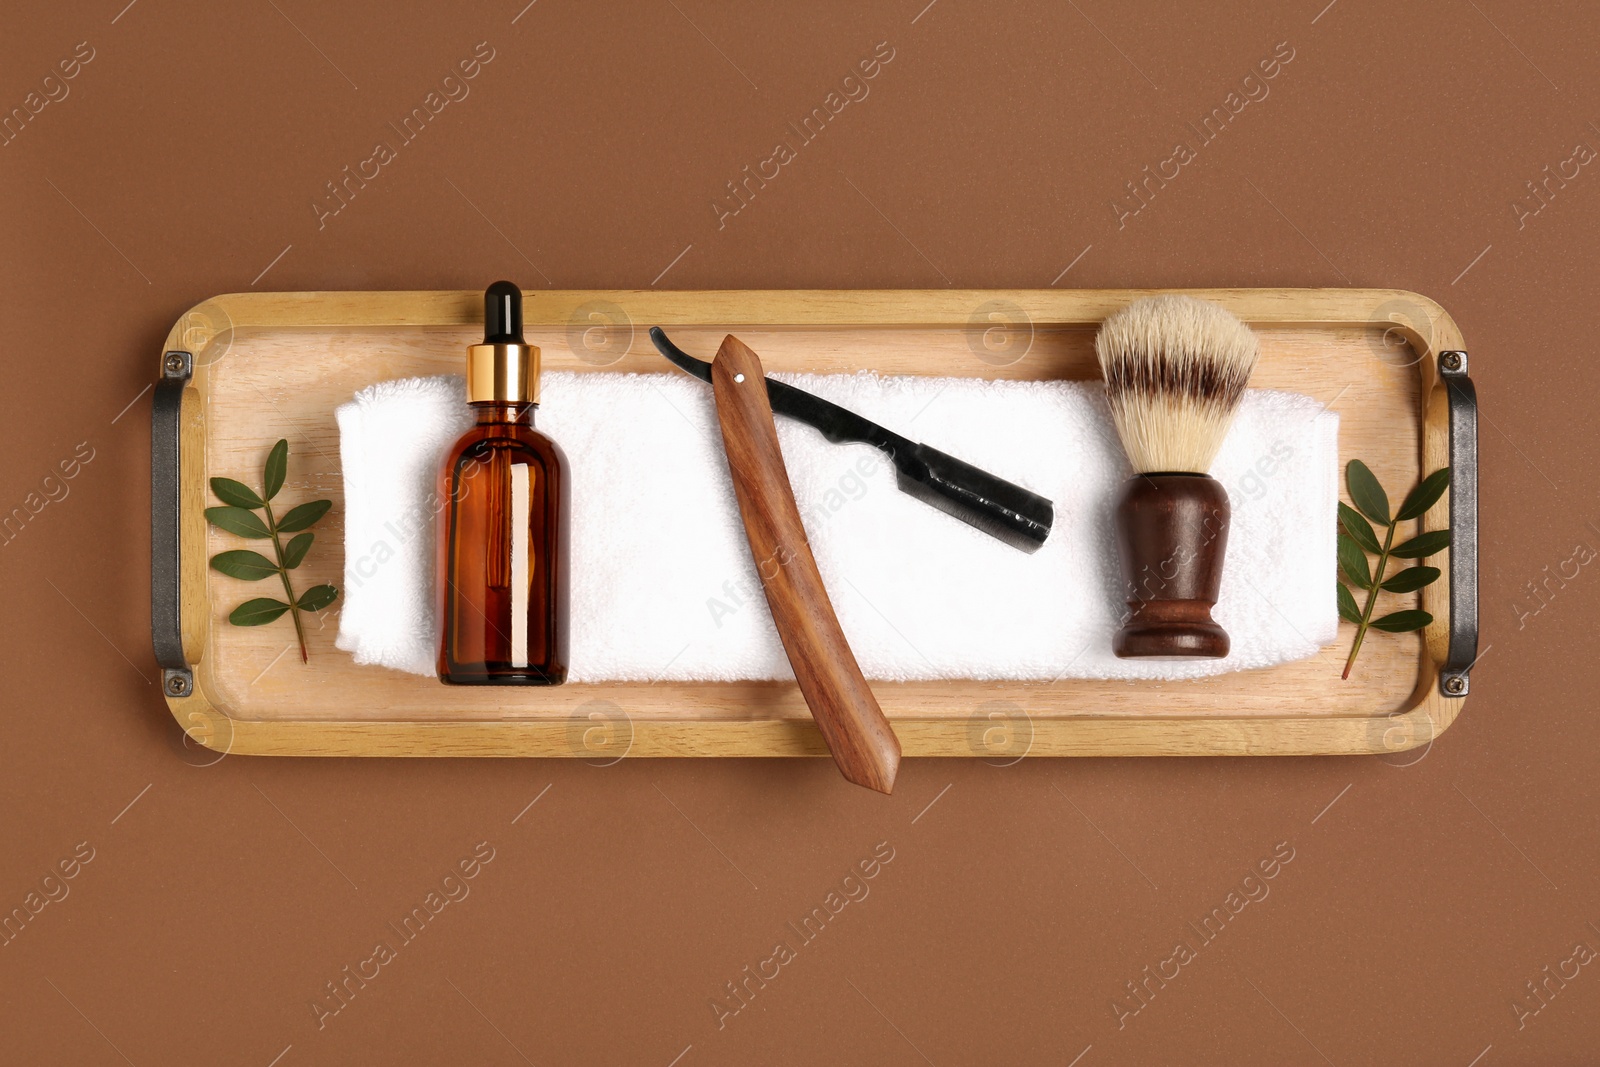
[(663, 586), (392, 438)]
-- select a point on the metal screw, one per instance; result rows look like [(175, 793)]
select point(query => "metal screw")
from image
[(1455, 685), (174, 363), (1450, 360)]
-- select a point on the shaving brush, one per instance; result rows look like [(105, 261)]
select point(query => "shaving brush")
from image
[(1175, 370)]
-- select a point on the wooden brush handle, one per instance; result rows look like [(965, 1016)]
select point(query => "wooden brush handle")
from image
[(1172, 534), (861, 740)]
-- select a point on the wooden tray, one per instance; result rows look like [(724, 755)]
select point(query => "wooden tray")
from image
[(240, 371)]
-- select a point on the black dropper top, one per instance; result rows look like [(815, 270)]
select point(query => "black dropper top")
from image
[(502, 314)]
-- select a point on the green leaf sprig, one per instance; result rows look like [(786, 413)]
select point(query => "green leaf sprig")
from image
[(238, 516), (1358, 538)]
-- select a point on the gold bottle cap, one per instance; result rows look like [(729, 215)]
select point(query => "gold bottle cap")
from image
[(503, 369), (504, 372)]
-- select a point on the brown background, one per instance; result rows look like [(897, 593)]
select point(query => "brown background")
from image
[(1389, 152)]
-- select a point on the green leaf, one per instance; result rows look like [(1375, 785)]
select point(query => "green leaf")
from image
[(1424, 496), (1423, 545), (235, 493), (303, 516), (1366, 493), (237, 521), (257, 612), (245, 564), (1347, 604), (277, 464), (1353, 562), (295, 551), (1358, 528), (1401, 622), (318, 597), (1411, 578)]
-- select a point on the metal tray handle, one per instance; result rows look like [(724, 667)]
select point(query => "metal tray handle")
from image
[(166, 604), (1462, 404)]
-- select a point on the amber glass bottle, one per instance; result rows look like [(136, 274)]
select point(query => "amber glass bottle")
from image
[(503, 545)]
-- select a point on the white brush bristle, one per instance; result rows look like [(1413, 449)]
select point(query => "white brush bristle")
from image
[(1175, 369)]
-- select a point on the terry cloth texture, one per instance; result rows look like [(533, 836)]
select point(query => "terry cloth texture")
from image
[(664, 588)]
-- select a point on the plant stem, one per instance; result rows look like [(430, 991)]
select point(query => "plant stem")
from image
[(294, 608), (1372, 600)]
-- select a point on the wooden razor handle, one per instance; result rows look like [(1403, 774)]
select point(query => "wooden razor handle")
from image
[(861, 740)]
